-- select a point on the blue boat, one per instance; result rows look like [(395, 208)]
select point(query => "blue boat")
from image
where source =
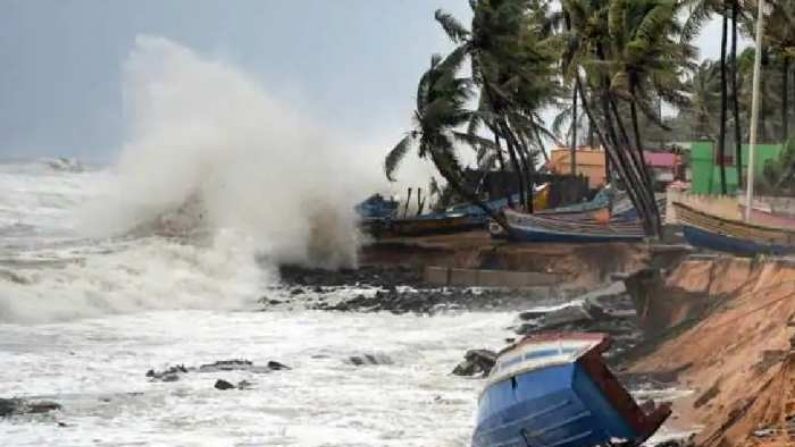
[(554, 390), (541, 228), (708, 231)]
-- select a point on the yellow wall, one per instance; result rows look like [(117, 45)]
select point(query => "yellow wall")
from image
[(590, 163)]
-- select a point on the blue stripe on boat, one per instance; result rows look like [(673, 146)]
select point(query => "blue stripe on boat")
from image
[(713, 241)]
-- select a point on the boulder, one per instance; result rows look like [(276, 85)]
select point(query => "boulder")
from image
[(276, 366), (223, 385), (476, 361)]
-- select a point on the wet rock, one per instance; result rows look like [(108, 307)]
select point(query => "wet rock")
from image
[(370, 359), (244, 385), (170, 374), (10, 407), (226, 365), (276, 366), (476, 361), (222, 384)]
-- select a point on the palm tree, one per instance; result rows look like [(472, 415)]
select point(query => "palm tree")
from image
[(704, 88), (441, 109), (700, 11), (780, 38), (512, 61)]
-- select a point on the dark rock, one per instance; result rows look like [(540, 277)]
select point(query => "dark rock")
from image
[(370, 359), (227, 365), (41, 407), (276, 366), (222, 384), (170, 374), (10, 407), (476, 361)]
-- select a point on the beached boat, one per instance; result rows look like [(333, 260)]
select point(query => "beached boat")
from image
[(769, 218), (435, 223), (733, 236), (555, 390), (541, 228)]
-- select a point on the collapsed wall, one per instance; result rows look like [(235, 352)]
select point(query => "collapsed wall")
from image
[(724, 325)]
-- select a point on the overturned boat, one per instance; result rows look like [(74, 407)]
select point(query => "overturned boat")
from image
[(554, 390)]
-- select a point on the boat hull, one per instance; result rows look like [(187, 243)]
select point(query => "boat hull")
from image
[(698, 237), (557, 406), (428, 226), (555, 390), (532, 228), (708, 231)]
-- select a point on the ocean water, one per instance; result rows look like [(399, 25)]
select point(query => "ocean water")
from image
[(82, 319)]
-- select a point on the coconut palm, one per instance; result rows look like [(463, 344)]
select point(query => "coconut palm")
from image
[(512, 62), (441, 109)]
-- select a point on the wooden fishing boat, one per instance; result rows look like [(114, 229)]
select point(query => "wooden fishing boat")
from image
[(733, 236), (540, 228), (555, 390), (436, 223), (769, 218)]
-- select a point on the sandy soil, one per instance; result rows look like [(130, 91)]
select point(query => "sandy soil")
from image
[(734, 355)]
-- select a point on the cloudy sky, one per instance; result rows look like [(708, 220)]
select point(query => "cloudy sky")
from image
[(351, 64)]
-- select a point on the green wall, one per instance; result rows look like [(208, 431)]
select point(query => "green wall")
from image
[(706, 172)]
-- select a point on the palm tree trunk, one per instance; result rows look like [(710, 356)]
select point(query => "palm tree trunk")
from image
[(516, 166), (639, 147), (574, 134), (623, 157), (785, 99), (610, 149), (501, 161), (738, 152), (723, 105), (540, 143), (634, 158)]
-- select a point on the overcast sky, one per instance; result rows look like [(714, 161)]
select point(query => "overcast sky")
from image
[(352, 64)]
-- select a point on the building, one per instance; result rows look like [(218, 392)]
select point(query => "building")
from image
[(666, 167), (705, 169), (590, 164)]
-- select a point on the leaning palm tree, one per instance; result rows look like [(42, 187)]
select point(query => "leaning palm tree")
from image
[(512, 61), (441, 109)]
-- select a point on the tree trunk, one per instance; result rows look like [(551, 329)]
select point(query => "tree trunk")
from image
[(723, 95), (785, 99), (639, 148), (574, 135), (738, 152), (623, 158), (516, 166), (611, 151), (501, 161)]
